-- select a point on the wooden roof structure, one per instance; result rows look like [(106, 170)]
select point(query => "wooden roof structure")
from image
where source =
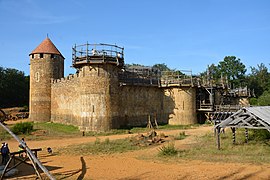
[(257, 117)]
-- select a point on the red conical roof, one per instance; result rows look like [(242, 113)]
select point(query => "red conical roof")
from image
[(46, 46)]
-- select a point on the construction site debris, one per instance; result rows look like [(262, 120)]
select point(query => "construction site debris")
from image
[(14, 114), (149, 139)]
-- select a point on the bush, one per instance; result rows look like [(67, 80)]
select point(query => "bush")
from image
[(259, 134), (253, 101), (97, 141), (168, 150), (264, 99), (180, 136), (22, 128)]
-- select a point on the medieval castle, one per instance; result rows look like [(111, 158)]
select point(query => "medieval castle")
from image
[(104, 95)]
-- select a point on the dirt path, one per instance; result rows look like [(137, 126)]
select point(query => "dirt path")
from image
[(138, 164)]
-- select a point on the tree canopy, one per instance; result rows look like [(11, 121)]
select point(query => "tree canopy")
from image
[(14, 88), (259, 79), (161, 67), (232, 68)]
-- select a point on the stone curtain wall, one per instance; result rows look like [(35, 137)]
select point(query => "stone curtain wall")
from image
[(93, 100), (66, 101), (138, 102)]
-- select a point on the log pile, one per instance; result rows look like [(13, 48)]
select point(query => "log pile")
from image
[(150, 138), (13, 114)]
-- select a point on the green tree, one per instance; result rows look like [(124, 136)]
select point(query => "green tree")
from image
[(133, 64), (264, 99), (233, 69), (259, 79), (161, 67), (14, 88), (212, 73)]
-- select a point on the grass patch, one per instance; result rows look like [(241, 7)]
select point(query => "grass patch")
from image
[(107, 133), (101, 147), (57, 129), (168, 150), (4, 135), (255, 151), (135, 130), (180, 136), (175, 127), (46, 130)]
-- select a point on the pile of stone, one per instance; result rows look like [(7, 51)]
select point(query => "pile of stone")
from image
[(149, 139)]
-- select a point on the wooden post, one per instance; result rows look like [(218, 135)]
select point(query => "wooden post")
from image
[(34, 165), (218, 138), (149, 124), (233, 131), (156, 124), (246, 134)]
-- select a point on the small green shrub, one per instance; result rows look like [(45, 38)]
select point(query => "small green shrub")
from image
[(107, 141), (97, 141), (259, 134), (22, 128), (180, 136), (168, 150), (253, 101)]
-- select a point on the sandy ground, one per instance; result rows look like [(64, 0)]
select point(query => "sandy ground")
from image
[(135, 165)]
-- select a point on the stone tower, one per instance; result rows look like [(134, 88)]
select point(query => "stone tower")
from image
[(99, 86), (46, 63)]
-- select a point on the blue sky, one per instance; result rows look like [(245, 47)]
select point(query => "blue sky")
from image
[(184, 34)]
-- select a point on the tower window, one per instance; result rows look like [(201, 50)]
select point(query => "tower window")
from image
[(33, 56), (41, 55), (37, 76), (52, 56)]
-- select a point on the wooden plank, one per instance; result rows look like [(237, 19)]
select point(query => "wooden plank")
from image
[(22, 151)]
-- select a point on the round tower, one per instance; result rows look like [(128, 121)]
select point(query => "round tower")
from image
[(46, 63), (98, 66)]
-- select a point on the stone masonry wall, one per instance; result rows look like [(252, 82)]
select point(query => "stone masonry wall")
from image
[(138, 102), (42, 70), (94, 101), (180, 103), (65, 104), (84, 100)]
